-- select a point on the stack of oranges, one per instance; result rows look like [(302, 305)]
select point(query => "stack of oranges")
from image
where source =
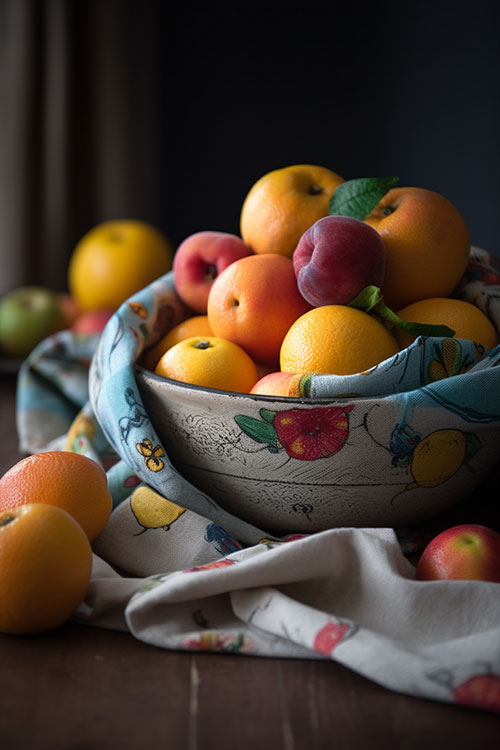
[(52, 506), (259, 329)]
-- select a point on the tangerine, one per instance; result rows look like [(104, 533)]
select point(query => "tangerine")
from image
[(198, 325), (283, 203), (71, 481), (467, 320), (45, 567), (336, 340), (253, 303), (210, 362)]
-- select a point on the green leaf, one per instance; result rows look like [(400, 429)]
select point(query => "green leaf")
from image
[(370, 300), (267, 415), (357, 198), (261, 432)]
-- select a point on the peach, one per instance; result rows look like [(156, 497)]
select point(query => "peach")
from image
[(199, 259), (465, 552), (273, 384), (90, 322), (336, 259)]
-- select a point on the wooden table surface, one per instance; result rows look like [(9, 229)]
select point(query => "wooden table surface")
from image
[(82, 687)]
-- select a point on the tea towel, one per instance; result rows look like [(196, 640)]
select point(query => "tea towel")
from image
[(179, 571)]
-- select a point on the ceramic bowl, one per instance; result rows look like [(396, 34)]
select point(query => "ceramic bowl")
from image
[(304, 465), (390, 447)]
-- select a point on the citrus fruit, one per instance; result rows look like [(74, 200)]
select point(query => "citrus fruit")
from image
[(211, 362), (198, 325), (427, 243), (336, 340), (45, 567), (467, 320), (114, 260), (71, 481), (283, 203), (254, 301)]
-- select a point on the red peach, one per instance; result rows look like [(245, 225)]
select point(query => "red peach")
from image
[(273, 384), (336, 258), (199, 259), (93, 321)]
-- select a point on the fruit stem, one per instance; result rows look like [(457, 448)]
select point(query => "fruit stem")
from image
[(370, 300)]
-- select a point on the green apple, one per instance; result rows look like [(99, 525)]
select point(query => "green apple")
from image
[(28, 315)]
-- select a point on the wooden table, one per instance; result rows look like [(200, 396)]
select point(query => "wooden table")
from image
[(82, 687)]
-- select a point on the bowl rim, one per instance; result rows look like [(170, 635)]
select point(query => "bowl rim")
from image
[(200, 389)]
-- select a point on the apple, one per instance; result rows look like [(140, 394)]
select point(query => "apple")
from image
[(336, 258), (69, 308), (93, 321), (273, 384), (465, 552), (199, 259), (28, 315)]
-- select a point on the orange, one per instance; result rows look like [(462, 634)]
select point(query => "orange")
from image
[(198, 325), (467, 320), (253, 302), (114, 260), (283, 203), (71, 481), (427, 243), (45, 568), (336, 339), (211, 362)]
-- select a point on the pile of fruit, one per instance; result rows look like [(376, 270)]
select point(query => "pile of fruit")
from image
[(329, 276), (110, 263)]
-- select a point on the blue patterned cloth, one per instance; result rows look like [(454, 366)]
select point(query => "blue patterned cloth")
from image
[(193, 576)]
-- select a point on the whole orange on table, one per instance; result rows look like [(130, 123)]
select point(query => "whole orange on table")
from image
[(114, 260), (70, 481), (45, 567), (283, 203)]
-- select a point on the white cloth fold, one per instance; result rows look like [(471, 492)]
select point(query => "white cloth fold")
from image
[(345, 594)]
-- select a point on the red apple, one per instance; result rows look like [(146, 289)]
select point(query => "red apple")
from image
[(69, 308), (93, 321), (465, 552), (199, 259), (336, 258), (273, 384)]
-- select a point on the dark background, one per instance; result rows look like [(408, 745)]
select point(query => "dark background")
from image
[(136, 110)]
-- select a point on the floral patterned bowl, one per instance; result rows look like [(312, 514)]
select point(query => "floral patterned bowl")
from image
[(386, 448), (302, 465)]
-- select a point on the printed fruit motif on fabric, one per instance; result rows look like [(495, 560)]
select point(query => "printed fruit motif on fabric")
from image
[(152, 510), (305, 434)]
